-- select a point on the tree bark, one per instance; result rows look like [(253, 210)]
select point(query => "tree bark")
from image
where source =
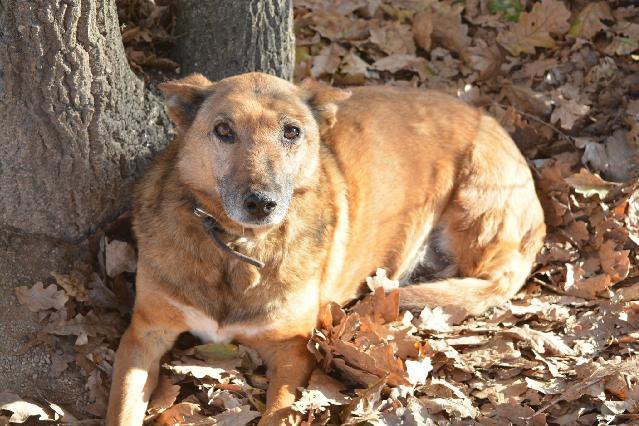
[(78, 125), (219, 38)]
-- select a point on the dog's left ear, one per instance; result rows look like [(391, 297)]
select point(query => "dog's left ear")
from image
[(323, 100), (184, 98)]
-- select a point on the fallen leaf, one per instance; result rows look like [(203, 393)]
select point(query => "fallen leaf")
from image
[(588, 22), (21, 410), (216, 351), (330, 388), (184, 412), (417, 371), (588, 184), (163, 396), (534, 28), (200, 369), (241, 415), (588, 288), (39, 298), (422, 29), (120, 257), (436, 319), (568, 112), (74, 285), (449, 30), (615, 263), (394, 63), (393, 38)]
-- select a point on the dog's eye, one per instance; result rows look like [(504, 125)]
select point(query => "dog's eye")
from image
[(291, 133), (224, 132)]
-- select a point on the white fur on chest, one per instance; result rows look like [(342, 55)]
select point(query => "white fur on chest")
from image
[(210, 331)]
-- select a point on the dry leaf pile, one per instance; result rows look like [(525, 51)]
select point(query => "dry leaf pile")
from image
[(148, 28), (563, 78)]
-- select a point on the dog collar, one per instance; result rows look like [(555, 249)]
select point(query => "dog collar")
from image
[(214, 230)]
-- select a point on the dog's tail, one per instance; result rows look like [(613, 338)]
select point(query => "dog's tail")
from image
[(459, 297), (495, 274)]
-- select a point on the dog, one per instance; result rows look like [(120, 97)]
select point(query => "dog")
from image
[(275, 199)]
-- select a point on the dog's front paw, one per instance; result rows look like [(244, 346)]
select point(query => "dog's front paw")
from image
[(281, 417)]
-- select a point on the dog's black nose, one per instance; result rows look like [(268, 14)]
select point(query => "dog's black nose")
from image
[(259, 204)]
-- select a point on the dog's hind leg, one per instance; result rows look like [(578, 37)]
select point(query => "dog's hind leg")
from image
[(493, 228)]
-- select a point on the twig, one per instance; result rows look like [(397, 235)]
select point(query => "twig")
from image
[(538, 120)]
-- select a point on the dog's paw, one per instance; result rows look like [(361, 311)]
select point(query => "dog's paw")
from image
[(282, 417)]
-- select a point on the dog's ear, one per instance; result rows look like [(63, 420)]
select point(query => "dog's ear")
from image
[(323, 100), (184, 97)]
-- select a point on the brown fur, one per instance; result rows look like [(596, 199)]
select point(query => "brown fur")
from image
[(384, 178)]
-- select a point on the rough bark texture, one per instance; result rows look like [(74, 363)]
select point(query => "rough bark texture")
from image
[(77, 123), (220, 38), (77, 127)]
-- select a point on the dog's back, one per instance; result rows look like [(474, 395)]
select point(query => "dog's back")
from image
[(420, 162)]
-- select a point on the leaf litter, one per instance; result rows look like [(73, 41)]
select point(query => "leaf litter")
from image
[(562, 79)]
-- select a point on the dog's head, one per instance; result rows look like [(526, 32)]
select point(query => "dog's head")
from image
[(251, 140)]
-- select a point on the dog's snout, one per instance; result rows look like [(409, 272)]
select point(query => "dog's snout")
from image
[(259, 204)]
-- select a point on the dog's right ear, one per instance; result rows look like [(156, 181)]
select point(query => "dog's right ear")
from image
[(184, 97), (323, 100)]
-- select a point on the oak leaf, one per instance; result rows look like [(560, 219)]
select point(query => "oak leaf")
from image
[(39, 298), (534, 28)]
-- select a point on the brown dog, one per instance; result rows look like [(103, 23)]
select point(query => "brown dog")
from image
[(323, 187)]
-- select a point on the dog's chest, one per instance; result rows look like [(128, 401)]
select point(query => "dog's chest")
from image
[(210, 330)]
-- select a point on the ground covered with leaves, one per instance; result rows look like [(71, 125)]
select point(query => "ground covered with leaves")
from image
[(563, 78)]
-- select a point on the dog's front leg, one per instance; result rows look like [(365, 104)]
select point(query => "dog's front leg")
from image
[(289, 365), (136, 368)]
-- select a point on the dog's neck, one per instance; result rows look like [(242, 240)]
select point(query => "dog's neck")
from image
[(216, 233)]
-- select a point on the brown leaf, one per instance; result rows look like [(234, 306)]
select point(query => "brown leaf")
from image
[(163, 396), (393, 38), (588, 22), (120, 257), (448, 29), (337, 27), (615, 263), (354, 67), (588, 288), (382, 307), (534, 29), (422, 29), (567, 112), (330, 388), (59, 363), (588, 184), (74, 285), (528, 100), (394, 63), (199, 369), (484, 58), (184, 412), (328, 60), (241, 415), (39, 298)]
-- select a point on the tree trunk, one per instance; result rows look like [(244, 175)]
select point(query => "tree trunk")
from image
[(220, 38), (78, 125)]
